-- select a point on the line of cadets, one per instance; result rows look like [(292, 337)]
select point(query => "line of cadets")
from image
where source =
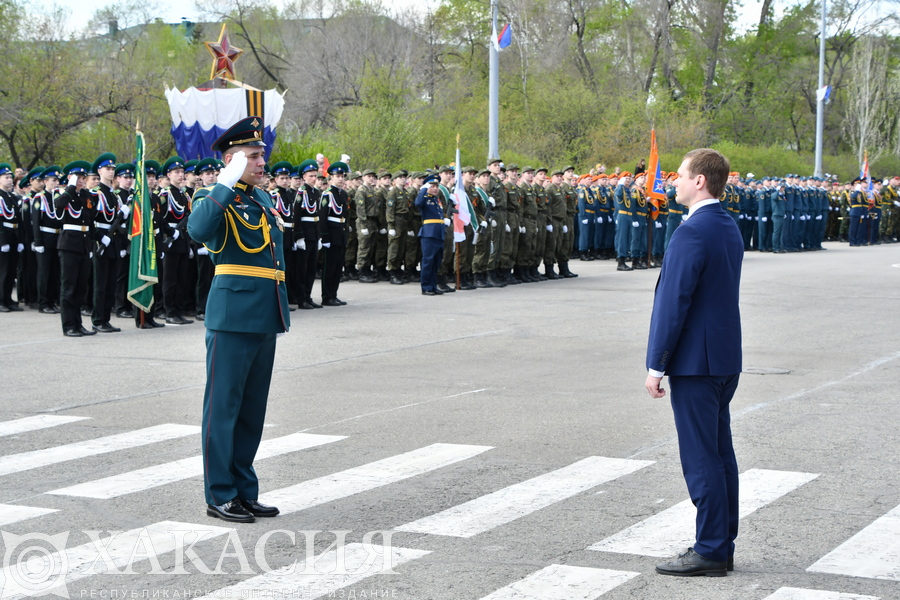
[(64, 245)]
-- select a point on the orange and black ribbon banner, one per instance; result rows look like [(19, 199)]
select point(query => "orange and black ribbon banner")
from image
[(255, 105)]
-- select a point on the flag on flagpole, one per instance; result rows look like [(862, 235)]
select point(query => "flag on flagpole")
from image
[(504, 39), (142, 271), (655, 184), (464, 209), (864, 174)]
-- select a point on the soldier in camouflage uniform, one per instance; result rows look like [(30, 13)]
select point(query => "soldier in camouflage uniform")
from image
[(350, 271), (413, 247), (567, 236), (397, 216), (383, 185), (513, 225), (366, 226)]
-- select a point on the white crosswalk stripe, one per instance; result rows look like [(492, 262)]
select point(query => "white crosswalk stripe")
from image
[(16, 463), (874, 552), (789, 593), (672, 530), (516, 501), (157, 475), (108, 553), (333, 571), (563, 582), (12, 513), (368, 477), (36, 422)]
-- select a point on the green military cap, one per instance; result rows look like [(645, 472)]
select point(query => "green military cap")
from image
[(367, 172), (77, 167), (53, 171), (246, 132), (220, 164), (568, 168), (151, 167), (512, 167), (107, 159), (208, 164), (5, 168), (338, 168), (556, 172), (470, 170), (282, 167), (191, 165), (125, 170), (527, 169), (483, 172), (445, 168), (400, 173), (416, 174), (541, 169), (307, 165), (266, 169), (36, 174), (176, 162), (383, 173), (492, 161), (355, 175)]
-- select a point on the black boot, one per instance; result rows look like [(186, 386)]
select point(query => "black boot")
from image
[(565, 272), (623, 266), (549, 273), (481, 281), (442, 285), (637, 264), (494, 280), (537, 274), (511, 278), (396, 279)]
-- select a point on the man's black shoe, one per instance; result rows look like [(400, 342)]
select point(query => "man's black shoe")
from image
[(183, 320), (125, 314), (429, 293), (49, 310), (86, 312), (313, 304), (174, 320), (4, 308), (690, 564), (155, 323), (14, 307), (106, 328), (72, 333), (230, 511), (202, 316), (445, 289), (85, 331), (342, 303), (146, 325), (331, 302), (305, 305), (259, 510)]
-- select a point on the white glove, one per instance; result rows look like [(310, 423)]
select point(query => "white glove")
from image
[(32, 246), (4, 248), (635, 224), (202, 251), (448, 222), (411, 233), (550, 228), (584, 221), (326, 244), (20, 248), (657, 224), (599, 219), (382, 231), (565, 229), (493, 222), (364, 231), (819, 218), (190, 253), (162, 255), (320, 245), (122, 253), (125, 210), (176, 234), (105, 240), (521, 230), (684, 217), (302, 243), (90, 255), (896, 203), (233, 171), (741, 217), (483, 224), (73, 179), (508, 228), (39, 249), (392, 232), (756, 218), (492, 201)]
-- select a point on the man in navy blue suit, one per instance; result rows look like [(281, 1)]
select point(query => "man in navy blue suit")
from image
[(695, 339), (432, 232)]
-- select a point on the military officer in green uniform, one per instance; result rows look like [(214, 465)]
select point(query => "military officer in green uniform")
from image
[(481, 202), (366, 225), (414, 222), (513, 225), (543, 225), (247, 307), (396, 212), (557, 213), (497, 193), (527, 227)]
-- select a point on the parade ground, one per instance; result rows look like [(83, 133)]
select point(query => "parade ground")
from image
[(496, 443)]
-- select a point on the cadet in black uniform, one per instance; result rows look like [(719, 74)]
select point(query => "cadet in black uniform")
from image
[(125, 192), (10, 246), (306, 231), (333, 227), (76, 246), (47, 225), (176, 251), (107, 218)]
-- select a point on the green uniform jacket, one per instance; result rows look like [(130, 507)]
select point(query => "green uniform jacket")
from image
[(244, 234)]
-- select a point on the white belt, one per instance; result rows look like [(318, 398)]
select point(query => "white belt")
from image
[(103, 225), (10, 225), (337, 219), (288, 225), (49, 230), (310, 219), (81, 228)]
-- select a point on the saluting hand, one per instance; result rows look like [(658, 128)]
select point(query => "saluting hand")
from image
[(652, 385)]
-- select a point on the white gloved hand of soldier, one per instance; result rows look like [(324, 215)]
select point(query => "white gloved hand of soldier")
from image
[(4, 248), (202, 251), (600, 219), (176, 234), (302, 243), (382, 231), (325, 244), (125, 210), (635, 224), (493, 222), (105, 240), (658, 225), (190, 253), (765, 219), (550, 228), (122, 253), (584, 221), (521, 229), (448, 222), (39, 249), (565, 229), (508, 228), (73, 179), (392, 232), (483, 224), (411, 233), (818, 217), (233, 171), (320, 245), (741, 217), (364, 231)]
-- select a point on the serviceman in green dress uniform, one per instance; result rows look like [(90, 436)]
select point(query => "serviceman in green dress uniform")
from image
[(246, 309)]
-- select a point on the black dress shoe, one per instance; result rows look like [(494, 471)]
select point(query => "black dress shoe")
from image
[(144, 326), (155, 323), (230, 511), (305, 305), (49, 310), (259, 510), (106, 328), (72, 333), (86, 312), (14, 307), (429, 293), (125, 314), (341, 302), (4, 308), (313, 304), (201, 316), (85, 331), (331, 302), (691, 564)]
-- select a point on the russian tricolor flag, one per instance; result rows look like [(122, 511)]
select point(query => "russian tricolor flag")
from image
[(503, 39)]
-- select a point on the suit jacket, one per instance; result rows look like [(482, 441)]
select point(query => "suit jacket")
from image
[(695, 328), (432, 210), (241, 229)]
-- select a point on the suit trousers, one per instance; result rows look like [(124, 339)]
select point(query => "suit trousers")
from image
[(432, 254), (238, 374), (48, 278), (8, 263), (175, 283), (75, 269), (331, 272), (703, 422), (104, 288)]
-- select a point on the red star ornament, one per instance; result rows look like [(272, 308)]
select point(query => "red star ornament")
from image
[(224, 55)]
